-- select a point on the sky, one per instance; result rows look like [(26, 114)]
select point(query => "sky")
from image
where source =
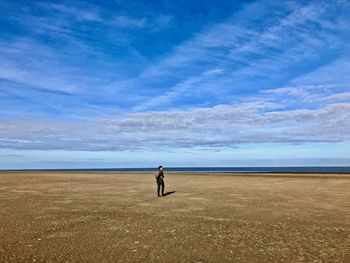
[(103, 84)]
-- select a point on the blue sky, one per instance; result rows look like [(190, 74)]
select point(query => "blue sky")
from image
[(182, 83)]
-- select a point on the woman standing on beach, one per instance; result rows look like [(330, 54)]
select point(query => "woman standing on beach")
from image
[(160, 180)]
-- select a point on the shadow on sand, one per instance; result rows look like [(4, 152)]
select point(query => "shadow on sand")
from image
[(169, 193)]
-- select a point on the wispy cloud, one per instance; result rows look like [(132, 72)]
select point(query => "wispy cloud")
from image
[(334, 72), (127, 22), (77, 12), (222, 125), (245, 57)]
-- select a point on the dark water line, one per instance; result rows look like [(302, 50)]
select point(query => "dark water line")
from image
[(301, 169)]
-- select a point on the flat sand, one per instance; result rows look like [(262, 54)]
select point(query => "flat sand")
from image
[(115, 217)]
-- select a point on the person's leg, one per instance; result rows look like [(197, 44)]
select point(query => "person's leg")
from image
[(163, 186), (158, 188)]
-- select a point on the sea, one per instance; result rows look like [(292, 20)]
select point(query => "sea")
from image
[(299, 169)]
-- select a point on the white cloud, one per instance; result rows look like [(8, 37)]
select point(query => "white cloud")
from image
[(342, 96), (325, 93), (335, 72), (219, 126), (79, 13)]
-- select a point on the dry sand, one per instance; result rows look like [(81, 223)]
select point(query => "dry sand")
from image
[(86, 217)]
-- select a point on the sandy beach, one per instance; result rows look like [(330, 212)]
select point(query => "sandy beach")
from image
[(115, 217)]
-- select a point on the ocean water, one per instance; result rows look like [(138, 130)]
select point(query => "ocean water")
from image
[(308, 169)]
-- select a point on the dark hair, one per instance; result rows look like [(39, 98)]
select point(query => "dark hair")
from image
[(160, 166)]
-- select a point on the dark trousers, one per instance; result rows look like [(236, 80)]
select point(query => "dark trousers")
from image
[(160, 184)]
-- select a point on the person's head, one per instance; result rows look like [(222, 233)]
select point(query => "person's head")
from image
[(160, 168)]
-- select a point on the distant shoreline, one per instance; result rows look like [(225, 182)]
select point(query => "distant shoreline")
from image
[(297, 175)]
